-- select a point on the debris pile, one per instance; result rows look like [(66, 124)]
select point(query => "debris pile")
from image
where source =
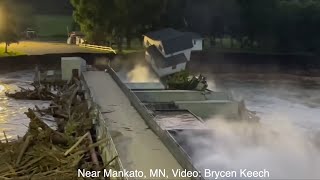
[(183, 80), (46, 153), (39, 92)]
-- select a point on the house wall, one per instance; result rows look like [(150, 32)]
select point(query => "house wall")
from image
[(171, 70), (197, 44), (164, 71), (151, 62), (186, 52)]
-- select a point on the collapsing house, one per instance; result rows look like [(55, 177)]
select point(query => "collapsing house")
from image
[(168, 50)]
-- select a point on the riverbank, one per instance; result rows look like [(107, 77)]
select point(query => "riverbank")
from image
[(10, 53), (298, 65)]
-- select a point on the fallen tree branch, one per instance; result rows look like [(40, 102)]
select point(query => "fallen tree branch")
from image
[(24, 148), (5, 136), (76, 144)]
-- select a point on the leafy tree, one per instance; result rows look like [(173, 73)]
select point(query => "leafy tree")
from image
[(280, 25), (8, 27), (173, 14), (115, 19), (92, 15)]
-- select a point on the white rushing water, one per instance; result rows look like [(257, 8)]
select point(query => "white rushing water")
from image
[(286, 143)]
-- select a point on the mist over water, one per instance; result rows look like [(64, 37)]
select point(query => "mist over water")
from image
[(282, 149), (285, 142), (141, 73)]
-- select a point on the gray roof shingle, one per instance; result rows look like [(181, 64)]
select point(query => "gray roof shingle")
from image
[(163, 62), (163, 34), (172, 40)]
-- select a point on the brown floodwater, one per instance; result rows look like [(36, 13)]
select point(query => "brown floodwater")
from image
[(13, 121)]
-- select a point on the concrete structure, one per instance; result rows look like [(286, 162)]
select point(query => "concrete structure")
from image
[(68, 64), (107, 151), (163, 96), (211, 108), (178, 120), (168, 50), (145, 86), (204, 104), (151, 129), (139, 148), (143, 134)]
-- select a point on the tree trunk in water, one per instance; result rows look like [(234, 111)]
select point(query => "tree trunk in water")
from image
[(6, 48)]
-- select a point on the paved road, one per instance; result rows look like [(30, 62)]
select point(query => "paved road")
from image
[(138, 147), (39, 48)]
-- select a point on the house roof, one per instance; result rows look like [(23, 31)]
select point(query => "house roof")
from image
[(194, 35), (163, 62), (163, 34), (172, 40), (177, 44)]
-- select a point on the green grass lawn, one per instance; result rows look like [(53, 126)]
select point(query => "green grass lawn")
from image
[(53, 26), (10, 53)]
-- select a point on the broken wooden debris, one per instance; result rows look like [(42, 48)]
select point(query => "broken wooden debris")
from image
[(38, 92), (45, 153)]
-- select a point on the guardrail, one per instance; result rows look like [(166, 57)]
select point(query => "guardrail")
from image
[(176, 150), (108, 150), (104, 48)]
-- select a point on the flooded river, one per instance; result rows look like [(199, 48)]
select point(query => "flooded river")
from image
[(287, 143), (12, 118), (280, 101)]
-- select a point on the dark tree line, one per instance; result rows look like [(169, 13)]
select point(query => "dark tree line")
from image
[(278, 25)]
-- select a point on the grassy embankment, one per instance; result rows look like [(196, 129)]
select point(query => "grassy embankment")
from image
[(49, 28), (10, 53), (55, 28)]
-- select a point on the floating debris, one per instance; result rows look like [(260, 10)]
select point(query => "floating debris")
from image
[(45, 153), (183, 80), (38, 92)]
